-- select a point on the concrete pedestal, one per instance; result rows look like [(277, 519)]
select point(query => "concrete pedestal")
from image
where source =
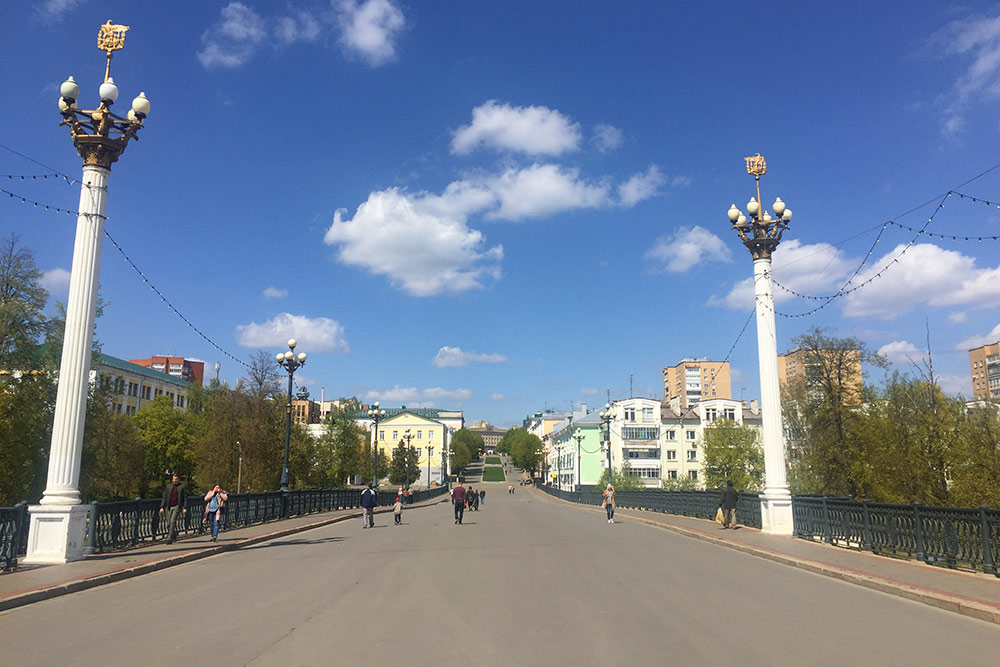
[(776, 514), (57, 533)]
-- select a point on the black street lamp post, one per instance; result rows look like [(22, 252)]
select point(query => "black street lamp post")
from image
[(291, 363), (606, 418), (406, 456), (375, 415), (578, 436)]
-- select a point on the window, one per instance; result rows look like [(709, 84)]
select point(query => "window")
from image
[(671, 474), (420, 452), (640, 433), (647, 414), (711, 414), (671, 454), (395, 436), (430, 452), (630, 414), (671, 435), (692, 474), (692, 456), (381, 434), (430, 435), (691, 435), (730, 414)]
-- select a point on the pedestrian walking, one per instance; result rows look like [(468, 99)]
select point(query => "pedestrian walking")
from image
[(397, 510), (608, 502), (174, 503), (482, 496), (458, 498), (473, 500), (214, 500), (369, 499), (728, 503)]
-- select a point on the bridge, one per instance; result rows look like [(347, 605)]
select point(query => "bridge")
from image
[(529, 579)]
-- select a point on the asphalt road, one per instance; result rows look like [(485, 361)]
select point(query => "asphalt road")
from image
[(526, 580)]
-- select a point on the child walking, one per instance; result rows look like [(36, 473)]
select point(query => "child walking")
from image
[(397, 510)]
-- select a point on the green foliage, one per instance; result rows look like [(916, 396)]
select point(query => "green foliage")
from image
[(525, 449), (733, 452), (114, 456), (22, 299), (680, 484), (404, 468), (463, 448), (166, 435), (621, 479), (342, 451)]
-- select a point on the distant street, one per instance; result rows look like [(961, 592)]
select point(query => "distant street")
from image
[(526, 580)]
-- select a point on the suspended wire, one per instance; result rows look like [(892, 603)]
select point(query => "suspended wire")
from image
[(34, 177), (68, 178)]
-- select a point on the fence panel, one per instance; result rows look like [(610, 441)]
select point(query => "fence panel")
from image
[(13, 534)]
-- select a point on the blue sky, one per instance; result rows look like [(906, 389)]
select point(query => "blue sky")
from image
[(506, 207)]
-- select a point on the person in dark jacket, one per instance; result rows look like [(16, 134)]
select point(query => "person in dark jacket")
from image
[(458, 497), (369, 499), (728, 505), (174, 503)]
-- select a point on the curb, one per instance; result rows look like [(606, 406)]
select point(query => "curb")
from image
[(960, 604), (112, 576)]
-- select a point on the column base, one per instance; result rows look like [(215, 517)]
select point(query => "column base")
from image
[(776, 513), (56, 533)]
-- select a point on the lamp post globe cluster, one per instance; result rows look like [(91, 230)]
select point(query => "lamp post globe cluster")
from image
[(376, 415), (761, 233), (291, 363), (100, 137), (607, 416)]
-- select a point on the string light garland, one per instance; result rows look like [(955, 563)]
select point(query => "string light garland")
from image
[(36, 204), (34, 177), (69, 179)]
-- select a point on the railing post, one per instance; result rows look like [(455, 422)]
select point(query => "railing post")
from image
[(989, 563), (827, 528), (869, 543), (137, 504), (91, 547), (921, 554)]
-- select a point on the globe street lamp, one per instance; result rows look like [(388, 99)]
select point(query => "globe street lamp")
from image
[(100, 137), (761, 234), (578, 436), (291, 363), (606, 417), (376, 415)]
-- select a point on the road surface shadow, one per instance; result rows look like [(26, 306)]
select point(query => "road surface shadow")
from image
[(294, 543)]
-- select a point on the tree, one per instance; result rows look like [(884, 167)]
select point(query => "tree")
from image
[(525, 448), (114, 456), (733, 452), (262, 379), (167, 435), (342, 451), (464, 446), (621, 478), (976, 469), (680, 484), (822, 415), (405, 467), (22, 299)]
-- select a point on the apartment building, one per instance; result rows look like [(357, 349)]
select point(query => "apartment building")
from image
[(134, 385), (984, 363), (693, 380), (189, 370), (815, 366)]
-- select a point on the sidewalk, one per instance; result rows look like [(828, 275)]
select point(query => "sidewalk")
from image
[(968, 593), (33, 583)]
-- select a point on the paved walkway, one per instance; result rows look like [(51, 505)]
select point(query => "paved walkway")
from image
[(968, 593), (31, 583)]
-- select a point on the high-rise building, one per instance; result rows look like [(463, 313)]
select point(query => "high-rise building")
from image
[(984, 362), (189, 370), (693, 380), (841, 366)]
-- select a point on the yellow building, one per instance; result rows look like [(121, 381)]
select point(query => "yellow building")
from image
[(693, 380), (984, 362), (427, 435)]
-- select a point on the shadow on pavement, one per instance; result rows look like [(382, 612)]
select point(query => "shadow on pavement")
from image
[(292, 543)]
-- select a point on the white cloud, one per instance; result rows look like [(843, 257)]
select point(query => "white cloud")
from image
[(976, 38), (688, 247), (901, 352), (957, 318), (955, 384), (56, 281), (319, 334), (535, 130), (419, 241), (299, 28), (543, 189), (274, 293), (369, 29), (979, 341), (498, 397), (925, 274), (414, 398), (55, 9), (235, 39), (455, 357), (811, 269), (590, 391), (640, 186), (607, 137)]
